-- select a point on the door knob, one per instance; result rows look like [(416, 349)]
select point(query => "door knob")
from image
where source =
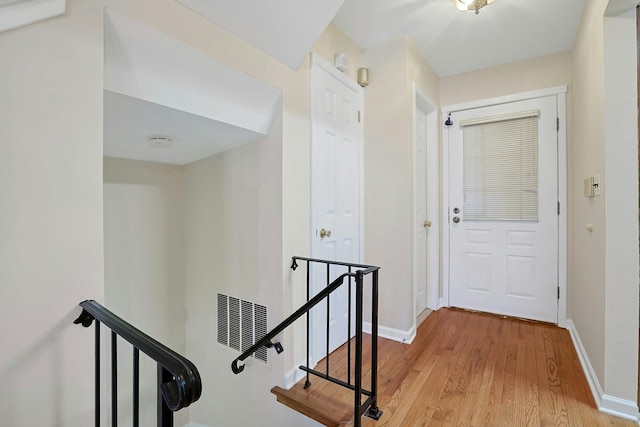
[(456, 219), (325, 233), (427, 224)]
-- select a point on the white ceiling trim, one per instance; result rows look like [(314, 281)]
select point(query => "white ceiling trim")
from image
[(18, 13)]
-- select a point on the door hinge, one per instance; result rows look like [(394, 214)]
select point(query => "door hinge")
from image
[(558, 292), (558, 124), (359, 118), (558, 208)]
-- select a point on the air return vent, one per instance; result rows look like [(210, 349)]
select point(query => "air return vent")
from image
[(241, 323)]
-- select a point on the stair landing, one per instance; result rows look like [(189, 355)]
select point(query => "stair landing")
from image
[(329, 409)]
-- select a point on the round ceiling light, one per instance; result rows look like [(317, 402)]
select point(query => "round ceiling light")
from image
[(160, 141), (472, 5)]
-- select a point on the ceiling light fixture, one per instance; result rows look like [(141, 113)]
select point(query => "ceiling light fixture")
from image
[(160, 141), (473, 5)]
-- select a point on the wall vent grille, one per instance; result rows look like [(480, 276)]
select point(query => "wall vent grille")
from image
[(261, 330), (234, 323), (223, 319), (241, 323)]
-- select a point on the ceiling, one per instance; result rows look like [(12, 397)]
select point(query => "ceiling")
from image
[(283, 29), (129, 123), (454, 42), (205, 116)]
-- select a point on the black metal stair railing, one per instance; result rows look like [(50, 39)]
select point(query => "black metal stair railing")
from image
[(179, 383), (356, 277)]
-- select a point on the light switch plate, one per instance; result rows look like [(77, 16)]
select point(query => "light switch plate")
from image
[(596, 185)]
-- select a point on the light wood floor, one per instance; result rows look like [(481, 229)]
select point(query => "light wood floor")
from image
[(475, 369)]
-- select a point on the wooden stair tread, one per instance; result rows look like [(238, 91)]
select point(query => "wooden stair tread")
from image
[(325, 409)]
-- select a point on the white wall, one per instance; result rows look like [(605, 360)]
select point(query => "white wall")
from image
[(604, 300), (234, 246), (144, 266), (389, 175), (588, 249), (621, 196), (144, 246), (51, 255), (521, 76)]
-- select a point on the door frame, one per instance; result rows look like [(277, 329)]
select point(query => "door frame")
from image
[(560, 92), (432, 188), (321, 65)]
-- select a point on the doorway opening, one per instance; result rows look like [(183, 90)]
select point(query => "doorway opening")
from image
[(426, 201)]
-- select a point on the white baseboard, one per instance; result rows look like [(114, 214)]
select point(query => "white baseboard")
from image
[(608, 404), (405, 337), (423, 316), (292, 377), (619, 407)]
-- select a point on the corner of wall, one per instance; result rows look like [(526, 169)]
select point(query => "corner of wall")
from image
[(608, 404)]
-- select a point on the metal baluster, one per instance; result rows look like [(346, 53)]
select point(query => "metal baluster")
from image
[(114, 379), (136, 387), (165, 416), (97, 375), (328, 311), (358, 373), (349, 334), (307, 383), (373, 411)]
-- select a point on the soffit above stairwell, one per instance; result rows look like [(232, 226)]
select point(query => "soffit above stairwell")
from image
[(283, 29), (155, 85)]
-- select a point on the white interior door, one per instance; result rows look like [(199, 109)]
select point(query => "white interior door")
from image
[(336, 196), (421, 220), (503, 209)]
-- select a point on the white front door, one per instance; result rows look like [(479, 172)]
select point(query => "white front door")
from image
[(503, 209), (336, 196)]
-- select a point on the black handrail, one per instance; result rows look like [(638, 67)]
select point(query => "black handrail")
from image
[(266, 340), (369, 407), (184, 385)]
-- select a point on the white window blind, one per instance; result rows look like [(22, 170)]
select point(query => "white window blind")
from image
[(500, 163)]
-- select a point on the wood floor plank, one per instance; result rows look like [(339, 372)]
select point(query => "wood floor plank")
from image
[(488, 404), (552, 400), (476, 367), (473, 369), (507, 406), (533, 397)]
